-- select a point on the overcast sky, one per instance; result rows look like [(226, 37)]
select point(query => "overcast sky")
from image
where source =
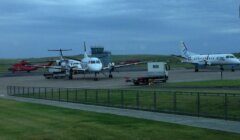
[(28, 28)]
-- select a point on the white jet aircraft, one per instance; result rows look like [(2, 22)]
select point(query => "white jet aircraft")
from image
[(208, 60), (86, 65)]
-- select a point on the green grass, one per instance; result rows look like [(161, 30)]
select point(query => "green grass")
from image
[(211, 86), (210, 83), (206, 84), (39, 122), (211, 104)]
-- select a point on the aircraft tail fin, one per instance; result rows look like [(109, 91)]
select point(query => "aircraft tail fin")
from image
[(61, 52), (184, 51), (85, 51)]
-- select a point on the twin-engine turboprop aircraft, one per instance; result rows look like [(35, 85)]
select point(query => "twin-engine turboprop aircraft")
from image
[(86, 65), (200, 60)]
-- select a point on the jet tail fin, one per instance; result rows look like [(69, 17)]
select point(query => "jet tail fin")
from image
[(85, 51), (184, 51)]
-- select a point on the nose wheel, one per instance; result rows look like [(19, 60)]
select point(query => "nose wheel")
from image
[(95, 78)]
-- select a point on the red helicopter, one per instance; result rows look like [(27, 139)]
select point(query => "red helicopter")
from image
[(27, 67)]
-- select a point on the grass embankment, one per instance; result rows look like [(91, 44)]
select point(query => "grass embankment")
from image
[(32, 121)]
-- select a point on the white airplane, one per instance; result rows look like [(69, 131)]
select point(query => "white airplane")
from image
[(208, 60), (86, 65)]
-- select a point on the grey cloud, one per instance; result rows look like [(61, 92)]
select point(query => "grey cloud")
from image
[(122, 26)]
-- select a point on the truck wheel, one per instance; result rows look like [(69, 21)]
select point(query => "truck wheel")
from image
[(136, 83)]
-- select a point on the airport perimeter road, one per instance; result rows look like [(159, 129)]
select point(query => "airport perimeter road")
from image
[(215, 124)]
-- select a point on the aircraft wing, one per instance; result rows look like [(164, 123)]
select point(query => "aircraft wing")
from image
[(112, 66)]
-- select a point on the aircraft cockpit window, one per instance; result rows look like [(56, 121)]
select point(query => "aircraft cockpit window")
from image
[(98, 62), (229, 56), (93, 62)]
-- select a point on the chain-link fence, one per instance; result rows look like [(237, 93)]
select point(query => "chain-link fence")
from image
[(222, 105)]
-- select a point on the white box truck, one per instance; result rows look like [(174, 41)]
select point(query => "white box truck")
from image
[(157, 72)]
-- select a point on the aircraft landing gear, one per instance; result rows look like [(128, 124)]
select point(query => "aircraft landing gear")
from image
[(70, 77), (110, 74), (233, 70), (95, 78), (196, 69), (221, 68)]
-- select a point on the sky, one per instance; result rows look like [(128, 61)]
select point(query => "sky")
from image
[(29, 28)]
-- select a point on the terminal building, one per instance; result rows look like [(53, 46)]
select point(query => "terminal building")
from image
[(104, 56)]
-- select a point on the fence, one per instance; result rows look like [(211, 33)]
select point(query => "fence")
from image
[(222, 105)]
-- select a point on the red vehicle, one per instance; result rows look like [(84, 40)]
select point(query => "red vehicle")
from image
[(27, 67)]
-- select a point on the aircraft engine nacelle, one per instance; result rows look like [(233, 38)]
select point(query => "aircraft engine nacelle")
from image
[(111, 66)]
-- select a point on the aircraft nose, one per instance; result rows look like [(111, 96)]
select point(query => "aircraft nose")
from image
[(96, 68)]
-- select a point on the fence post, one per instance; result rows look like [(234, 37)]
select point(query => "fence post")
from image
[(14, 90), (45, 92), (10, 90), (154, 100), (7, 90), (52, 93), (137, 99), (67, 94), (108, 97), (19, 91), (198, 104), (33, 92), (85, 94), (23, 91), (59, 94), (174, 102), (96, 92), (122, 98), (225, 106), (39, 92), (28, 91), (76, 95)]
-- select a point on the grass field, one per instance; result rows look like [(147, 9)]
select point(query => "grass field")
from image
[(39, 122)]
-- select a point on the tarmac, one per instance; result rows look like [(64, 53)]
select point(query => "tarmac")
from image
[(119, 80)]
